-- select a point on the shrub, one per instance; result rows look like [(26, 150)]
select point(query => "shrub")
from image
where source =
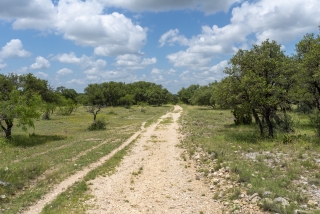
[(315, 121), (303, 108), (98, 125), (284, 122), (242, 115)]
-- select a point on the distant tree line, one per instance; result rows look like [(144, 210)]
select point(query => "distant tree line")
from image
[(24, 98), (263, 83), (121, 94)]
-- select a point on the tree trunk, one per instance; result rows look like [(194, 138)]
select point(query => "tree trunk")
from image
[(258, 121), (269, 124), (94, 117), (7, 130)]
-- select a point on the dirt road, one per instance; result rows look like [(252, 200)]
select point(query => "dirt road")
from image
[(153, 177)]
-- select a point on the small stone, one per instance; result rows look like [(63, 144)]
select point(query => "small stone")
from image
[(197, 177), (281, 201), (211, 187), (304, 206), (311, 203), (249, 186), (299, 212), (2, 196), (227, 176), (267, 193), (253, 196), (226, 203), (236, 202), (216, 181)]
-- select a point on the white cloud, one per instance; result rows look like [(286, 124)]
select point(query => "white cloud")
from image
[(64, 71), (156, 71), (282, 21), (149, 61), (3, 66), (22, 70), (14, 48), (76, 81), (88, 64), (67, 58), (41, 75), (134, 62), (41, 63), (33, 14), (208, 6), (83, 22), (171, 37), (188, 59)]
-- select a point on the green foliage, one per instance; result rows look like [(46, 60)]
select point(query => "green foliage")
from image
[(97, 125), (185, 94), (315, 121), (284, 122), (259, 80), (303, 108), (242, 115), (308, 55), (116, 94), (204, 95)]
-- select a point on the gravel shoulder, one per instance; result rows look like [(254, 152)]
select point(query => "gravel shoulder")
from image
[(153, 177)]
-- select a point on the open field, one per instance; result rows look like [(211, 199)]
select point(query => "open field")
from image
[(35, 161), (285, 167)]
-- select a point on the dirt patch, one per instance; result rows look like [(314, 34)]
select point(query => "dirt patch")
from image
[(153, 178)]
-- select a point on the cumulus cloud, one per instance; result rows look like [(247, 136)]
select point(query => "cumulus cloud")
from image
[(155, 71), (83, 22), (89, 64), (3, 65), (207, 6), (64, 71), (28, 13), (42, 75), (14, 48), (134, 62), (282, 21), (41, 63), (67, 58), (171, 37)]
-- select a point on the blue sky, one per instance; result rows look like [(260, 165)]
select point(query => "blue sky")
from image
[(73, 43)]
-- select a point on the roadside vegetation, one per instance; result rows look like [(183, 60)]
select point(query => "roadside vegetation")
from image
[(261, 125), (285, 166)]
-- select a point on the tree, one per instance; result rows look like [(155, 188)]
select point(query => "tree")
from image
[(185, 94), (204, 96), (308, 55), (20, 101), (259, 79)]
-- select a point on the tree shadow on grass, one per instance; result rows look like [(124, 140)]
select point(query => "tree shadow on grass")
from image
[(33, 140), (243, 137), (205, 108)]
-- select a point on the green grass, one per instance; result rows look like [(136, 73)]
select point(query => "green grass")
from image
[(34, 161), (280, 161)]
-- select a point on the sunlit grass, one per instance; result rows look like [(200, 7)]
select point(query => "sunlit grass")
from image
[(214, 131), (33, 161)]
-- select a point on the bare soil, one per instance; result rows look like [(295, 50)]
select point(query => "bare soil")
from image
[(153, 178)]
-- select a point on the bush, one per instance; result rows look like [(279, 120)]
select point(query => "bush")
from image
[(242, 115), (98, 125), (303, 108), (315, 121), (284, 122)]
